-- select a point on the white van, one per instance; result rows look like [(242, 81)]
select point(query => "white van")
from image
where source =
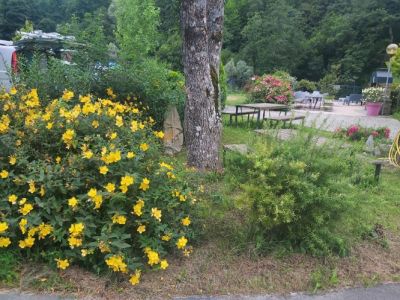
[(8, 63)]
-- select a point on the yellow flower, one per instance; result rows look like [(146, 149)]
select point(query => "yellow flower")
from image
[(68, 136), (166, 237), (92, 193), (26, 209), (156, 214), (84, 99), (27, 243), (73, 202), (4, 242), (117, 264), (49, 125), (165, 165), (181, 243), (87, 154), (171, 175), (58, 159), (123, 188), (119, 121), (144, 147), (118, 219), (32, 231), (110, 187), (130, 155), (110, 93), (144, 186), (135, 279), (186, 252), (12, 159), (12, 199), (186, 221), (141, 229), (153, 257), (3, 174), (44, 230), (67, 95), (159, 134), (3, 227), (32, 187), (164, 264), (76, 229), (134, 126), (22, 225), (13, 91), (98, 200), (95, 124), (42, 191), (74, 242), (62, 263), (113, 135), (22, 201), (137, 208), (127, 180), (4, 123), (103, 170), (104, 248)]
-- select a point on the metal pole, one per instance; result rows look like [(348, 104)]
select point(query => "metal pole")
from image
[(387, 96)]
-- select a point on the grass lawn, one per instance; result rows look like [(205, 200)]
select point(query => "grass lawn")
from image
[(221, 265), (236, 98)]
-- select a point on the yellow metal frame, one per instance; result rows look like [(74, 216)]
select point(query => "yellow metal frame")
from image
[(394, 153)]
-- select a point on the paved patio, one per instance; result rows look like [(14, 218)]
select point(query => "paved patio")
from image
[(344, 116)]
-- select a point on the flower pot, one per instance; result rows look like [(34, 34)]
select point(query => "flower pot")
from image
[(373, 108)]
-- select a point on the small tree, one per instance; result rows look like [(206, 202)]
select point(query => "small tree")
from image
[(137, 22)]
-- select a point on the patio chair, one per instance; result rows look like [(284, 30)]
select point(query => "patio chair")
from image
[(353, 98)]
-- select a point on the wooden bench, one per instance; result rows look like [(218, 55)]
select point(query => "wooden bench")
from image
[(284, 119), (234, 112)]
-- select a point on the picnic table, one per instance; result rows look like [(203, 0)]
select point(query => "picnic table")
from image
[(264, 107)]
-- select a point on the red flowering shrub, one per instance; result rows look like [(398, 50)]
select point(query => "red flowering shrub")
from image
[(270, 89), (357, 133)]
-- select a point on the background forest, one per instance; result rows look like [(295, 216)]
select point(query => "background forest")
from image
[(342, 41)]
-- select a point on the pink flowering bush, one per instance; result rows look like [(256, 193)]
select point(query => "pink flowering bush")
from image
[(270, 89), (357, 133)]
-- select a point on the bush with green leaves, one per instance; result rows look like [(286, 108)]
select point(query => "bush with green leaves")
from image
[(306, 86), (149, 80), (83, 181), (296, 192)]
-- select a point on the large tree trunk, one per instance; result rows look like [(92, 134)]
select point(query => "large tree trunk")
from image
[(202, 22)]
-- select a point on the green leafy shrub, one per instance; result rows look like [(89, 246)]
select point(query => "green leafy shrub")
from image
[(306, 86), (295, 193), (83, 182), (150, 81)]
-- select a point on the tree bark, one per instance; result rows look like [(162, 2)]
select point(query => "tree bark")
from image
[(202, 22)]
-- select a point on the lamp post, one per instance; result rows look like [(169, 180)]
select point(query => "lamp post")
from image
[(391, 50)]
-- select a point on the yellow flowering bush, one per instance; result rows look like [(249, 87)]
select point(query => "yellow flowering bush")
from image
[(82, 182)]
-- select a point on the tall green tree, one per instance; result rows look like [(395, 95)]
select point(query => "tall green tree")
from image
[(136, 31)]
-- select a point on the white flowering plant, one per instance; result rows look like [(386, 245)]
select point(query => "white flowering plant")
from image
[(373, 94)]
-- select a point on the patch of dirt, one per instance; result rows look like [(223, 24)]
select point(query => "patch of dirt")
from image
[(210, 271)]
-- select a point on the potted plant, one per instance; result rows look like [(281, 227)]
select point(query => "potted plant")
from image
[(373, 97)]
